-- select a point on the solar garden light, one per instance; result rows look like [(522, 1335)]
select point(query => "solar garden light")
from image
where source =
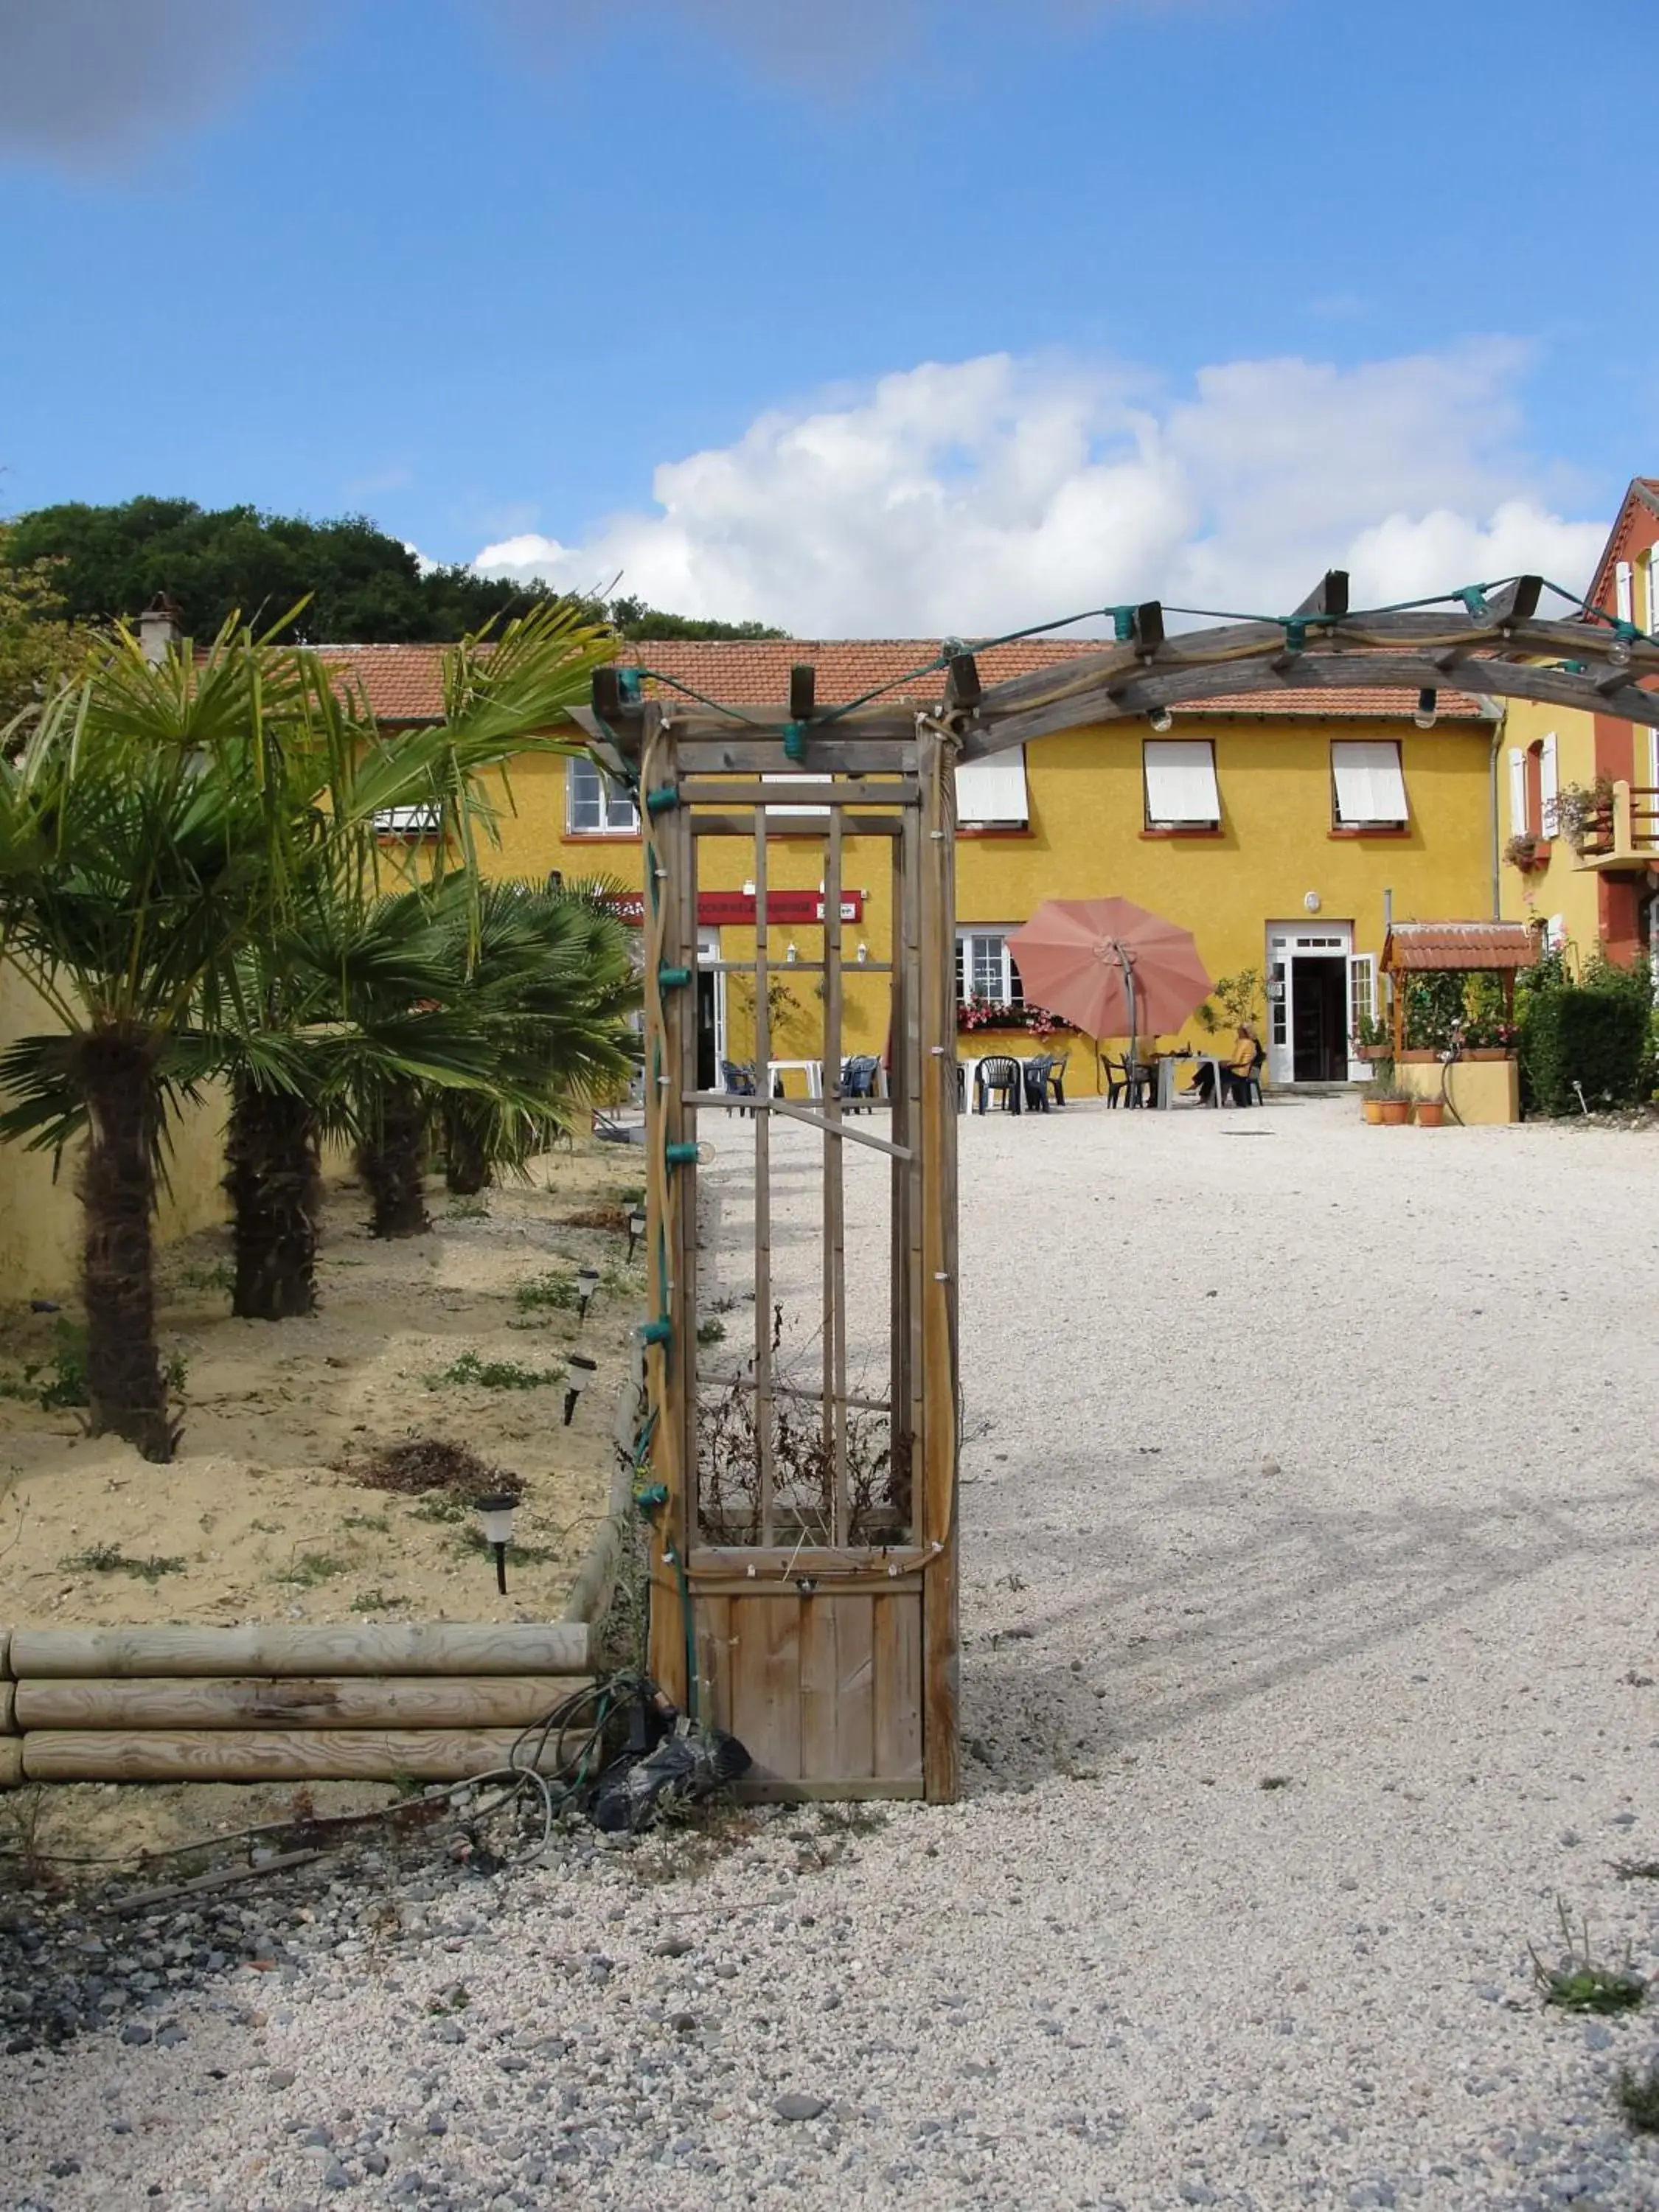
[(579, 1372), (635, 1228), (587, 1281), (496, 1513)]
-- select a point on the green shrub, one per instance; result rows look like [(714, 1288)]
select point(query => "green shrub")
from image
[(1588, 1038)]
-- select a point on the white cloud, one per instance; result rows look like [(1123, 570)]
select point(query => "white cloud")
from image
[(87, 83), (977, 495)]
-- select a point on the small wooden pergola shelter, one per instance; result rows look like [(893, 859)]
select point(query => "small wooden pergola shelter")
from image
[(1502, 949), (803, 1567)]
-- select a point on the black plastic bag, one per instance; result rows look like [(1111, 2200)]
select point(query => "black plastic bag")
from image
[(684, 1769)]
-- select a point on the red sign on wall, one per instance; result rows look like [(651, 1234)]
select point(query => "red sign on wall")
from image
[(736, 909)]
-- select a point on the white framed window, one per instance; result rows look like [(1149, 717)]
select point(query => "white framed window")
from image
[(409, 821), (595, 805), (788, 776), (1549, 787), (1555, 932), (1362, 986), (985, 967), (1180, 786), (991, 794), (1624, 591), (1518, 816), (1371, 790)]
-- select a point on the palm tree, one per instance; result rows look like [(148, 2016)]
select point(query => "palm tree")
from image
[(145, 829), (359, 1016), (542, 980), (552, 980), (156, 821)]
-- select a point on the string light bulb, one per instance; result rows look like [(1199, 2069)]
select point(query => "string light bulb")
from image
[(1161, 719), (1427, 709)]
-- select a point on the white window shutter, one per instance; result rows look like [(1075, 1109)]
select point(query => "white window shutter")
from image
[(1518, 826), (991, 794), (1181, 785), (1624, 591), (789, 777), (1370, 787), (1548, 787)]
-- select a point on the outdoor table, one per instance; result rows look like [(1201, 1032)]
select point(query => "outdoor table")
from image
[(1167, 1062), (811, 1069)]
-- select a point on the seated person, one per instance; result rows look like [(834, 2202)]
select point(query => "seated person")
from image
[(1235, 1076), (1247, 1056)]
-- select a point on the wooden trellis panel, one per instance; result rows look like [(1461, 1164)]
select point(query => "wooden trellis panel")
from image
[(828, 1644)]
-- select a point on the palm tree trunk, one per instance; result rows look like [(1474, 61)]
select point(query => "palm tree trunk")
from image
[(275, 1190), (125, 1388), (467, 1168), (392, 1164)]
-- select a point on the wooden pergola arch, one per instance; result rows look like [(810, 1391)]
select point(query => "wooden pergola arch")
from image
[(829, 1642)]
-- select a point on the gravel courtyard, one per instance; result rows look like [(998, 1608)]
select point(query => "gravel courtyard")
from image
[(1308, 1518)]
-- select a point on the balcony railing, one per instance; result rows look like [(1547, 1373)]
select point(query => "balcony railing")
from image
[(1622, 831)]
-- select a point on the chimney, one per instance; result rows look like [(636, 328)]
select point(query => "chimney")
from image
[(158, 630)]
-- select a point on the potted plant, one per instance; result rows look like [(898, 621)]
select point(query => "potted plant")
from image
[(1430, 1113), (1524, 852), (1392, 1102), (1371, 1041)]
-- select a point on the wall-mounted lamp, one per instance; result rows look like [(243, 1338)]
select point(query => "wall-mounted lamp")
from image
[(579, 1372), (495, 1513), (863, 953), (790, 953)]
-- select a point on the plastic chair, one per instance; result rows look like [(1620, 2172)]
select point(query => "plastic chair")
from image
[(1035, 1072), (1244, 1089), (1056, 1078), (738, 1078), (858, 1081), (1126, 1081), (1000, 1076)]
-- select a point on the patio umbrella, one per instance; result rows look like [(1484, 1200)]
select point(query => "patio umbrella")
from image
[(1109, 966)]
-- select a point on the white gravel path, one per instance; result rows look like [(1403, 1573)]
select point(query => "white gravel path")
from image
[(1297, 1453)]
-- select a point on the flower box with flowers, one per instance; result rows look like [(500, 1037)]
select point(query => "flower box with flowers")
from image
[(1010, 1014)]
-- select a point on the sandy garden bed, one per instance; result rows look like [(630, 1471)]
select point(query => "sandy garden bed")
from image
[(263, 1516)]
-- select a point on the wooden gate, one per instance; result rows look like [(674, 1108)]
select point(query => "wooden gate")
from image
[(804, 1570)]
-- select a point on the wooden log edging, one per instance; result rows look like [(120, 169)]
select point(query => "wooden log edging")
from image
[(447, 1648), (11, 1748), (350, 1701), (276, 1754), (375, 1702), (596, 1579)]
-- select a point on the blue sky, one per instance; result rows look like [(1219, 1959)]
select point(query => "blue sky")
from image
[(849, 314)]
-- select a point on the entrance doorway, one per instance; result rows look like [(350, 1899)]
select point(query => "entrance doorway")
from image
[(1315, 996), (711, 1011)]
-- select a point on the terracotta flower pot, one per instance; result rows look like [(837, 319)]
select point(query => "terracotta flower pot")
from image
[(1395, 1112), (1430, 1113), (1372, 1110)]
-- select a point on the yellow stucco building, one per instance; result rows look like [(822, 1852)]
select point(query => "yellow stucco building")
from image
[(1579, 793), (1278, 833)]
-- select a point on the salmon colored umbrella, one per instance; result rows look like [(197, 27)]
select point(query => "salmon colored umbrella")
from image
[(1110, 967)]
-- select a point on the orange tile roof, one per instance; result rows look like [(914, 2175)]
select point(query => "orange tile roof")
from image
[(1444, 944), (402, 683)]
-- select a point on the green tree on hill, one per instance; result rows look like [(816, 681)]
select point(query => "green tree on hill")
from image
[(360, 587)]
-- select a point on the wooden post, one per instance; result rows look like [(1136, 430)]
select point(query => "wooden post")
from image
[(764, 1434), (667, 1364), (835, 1208), (938, 1145)]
